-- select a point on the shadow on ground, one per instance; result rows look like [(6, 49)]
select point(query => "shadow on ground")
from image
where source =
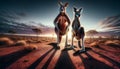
[(36, 63), (64, 61), (77, 53), (7, 60), (91, 63)]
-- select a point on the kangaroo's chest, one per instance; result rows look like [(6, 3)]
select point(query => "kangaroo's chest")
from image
[(62, 23), (62, 20), (75, 25)]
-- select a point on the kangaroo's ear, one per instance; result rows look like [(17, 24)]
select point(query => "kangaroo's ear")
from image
[(66, 4), (75, 9), (60, 3), (80, 9)]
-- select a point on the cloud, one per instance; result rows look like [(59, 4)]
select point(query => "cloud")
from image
[(9, 15), (111, 24), (22, 14), (12, 15), (11, 20)]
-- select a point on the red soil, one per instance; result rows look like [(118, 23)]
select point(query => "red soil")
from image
[(47, 57)]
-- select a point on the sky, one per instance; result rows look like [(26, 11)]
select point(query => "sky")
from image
[(45, 11)]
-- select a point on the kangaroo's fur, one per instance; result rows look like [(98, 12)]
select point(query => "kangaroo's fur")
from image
[(77, 30), (62, 23)]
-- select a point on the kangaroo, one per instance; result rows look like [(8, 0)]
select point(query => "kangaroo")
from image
[(62, 23), (77, 30)]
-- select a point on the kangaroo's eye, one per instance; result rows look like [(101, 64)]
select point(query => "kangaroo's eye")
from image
[(60, 7)]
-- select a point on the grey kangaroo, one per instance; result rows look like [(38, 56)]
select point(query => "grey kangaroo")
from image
[(62, 23), (77, 30)]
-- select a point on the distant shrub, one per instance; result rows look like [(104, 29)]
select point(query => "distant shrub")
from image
[(30, 48), (94, 44), (111, 43), (6, 41), (21, 43), (117, 41), (33, 41), (101, 41), (87, 41)]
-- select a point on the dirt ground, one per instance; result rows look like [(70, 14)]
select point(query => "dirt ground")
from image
[(46, 56)]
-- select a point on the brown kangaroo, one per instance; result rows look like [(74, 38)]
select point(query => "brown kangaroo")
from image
[(77, 30), (62, 23)]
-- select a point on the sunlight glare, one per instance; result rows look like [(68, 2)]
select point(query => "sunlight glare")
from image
[(70, 33)]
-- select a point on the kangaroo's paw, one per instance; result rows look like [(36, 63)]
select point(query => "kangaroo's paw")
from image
[(67, 45), (78, 52), (57, 47), (72, 46), (81, 51)]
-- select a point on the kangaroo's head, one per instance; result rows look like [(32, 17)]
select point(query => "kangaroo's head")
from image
[(77, 12), (63, 7)]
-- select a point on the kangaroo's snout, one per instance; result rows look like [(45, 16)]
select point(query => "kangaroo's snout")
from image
[(63, 6), (77, 11)]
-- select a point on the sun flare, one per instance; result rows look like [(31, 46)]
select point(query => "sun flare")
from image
[(70, 33)]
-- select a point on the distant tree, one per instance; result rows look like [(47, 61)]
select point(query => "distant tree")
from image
[(37, 31), (100, 37), (12, 31), (91, 33)]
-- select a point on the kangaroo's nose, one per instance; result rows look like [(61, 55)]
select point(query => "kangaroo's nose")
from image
[(62, 9), (78, 15)]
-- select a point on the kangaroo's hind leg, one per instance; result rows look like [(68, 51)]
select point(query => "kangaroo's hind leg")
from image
[(72, 42), (79, 44), (82, 38), (83, 47), (58, 37), (66, 41), (73, 35)]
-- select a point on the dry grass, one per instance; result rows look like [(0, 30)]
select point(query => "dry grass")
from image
[(87, 42), (101, 41), (114, 43), (20, 43), (117, 41), (30, 47), (29, 41), (6, 41), (94, 44), (33, 41)]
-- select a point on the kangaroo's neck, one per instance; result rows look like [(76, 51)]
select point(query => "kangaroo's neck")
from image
[(62, 13), (76, 18)]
